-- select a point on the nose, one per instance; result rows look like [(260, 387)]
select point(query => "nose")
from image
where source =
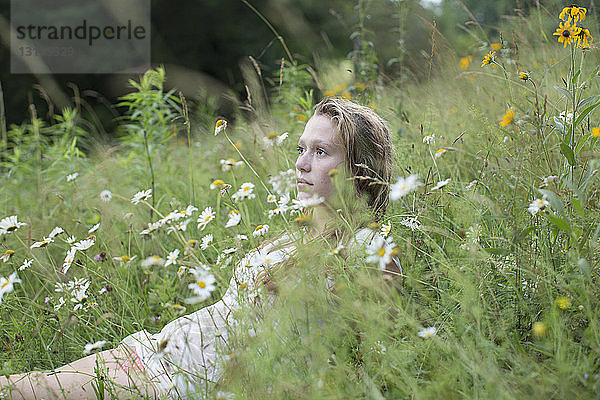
[(303, 162)]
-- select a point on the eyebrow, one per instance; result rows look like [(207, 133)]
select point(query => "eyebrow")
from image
[(319, 143)]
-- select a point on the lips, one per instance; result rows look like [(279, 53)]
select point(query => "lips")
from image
[(302, 182)]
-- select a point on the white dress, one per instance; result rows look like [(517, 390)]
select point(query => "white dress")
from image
[(183, 359)]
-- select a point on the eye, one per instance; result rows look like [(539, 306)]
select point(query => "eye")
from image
[(300, 149), (321, 152)]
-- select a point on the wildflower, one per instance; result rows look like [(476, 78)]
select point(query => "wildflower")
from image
[(72, 177), (217, 184), (85, 244), (141, 196), (106, 195), (7, 255), (207, 215), (440, 153), (94, 228), (26, 264), (227, 164), (441, 184), (412, 223), (496, 46), (548, 179), (181, 226), (537, 205), (273, 139), (152, 226), (71, 239), (380, 251), (583, 38), (206, 240), (172, 258), (385, 229), (220, 126), (567, 118), (489, 57), (7, 284), (429, 139), (56, 231), (465, 61), (234, 218), (596, 131), (189, 210), (241, 237), (303, 220), (260, 230), (563, 302), (43, 243), (124, 259), (507, 118), (264, 258), (539, 329), (152, 261), (471, 184), (428, 332), (575, 13), (61, 302), (567, 33), (10, 224), (279, 210), (93, 346), (244, 192), (202, 286), (337, 250), (271, 198), (379, 347), (404, 186), (523, 76), (68, 260), (312, 201)]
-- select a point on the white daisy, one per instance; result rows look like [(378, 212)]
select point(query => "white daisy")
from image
[(94, 228), (72, 176), (273, 139), (404, 186), (217, 184), (152, 226), (71, 239), (61, 302), (428, 332), (68, 260), (10, 224), (284, 182), (93, 346), (152, 261), (260, 230), (244, 192), (439, 153), (181, 226), (220, 126), (202, 286), (271, 198), (234, 218), (190, 210), (441, 184), (172, 258), (7, 284), (56, 231), (207, 215), (241, 237), (337, 250), (471, 184), (411, 222), (26, 264), (142, 195), (380, 251), (43, 243), (7, 255), (226, 165), (537, 205), (312, 201), (106, 195), (279, 210), (84, 244), (385, 229), (206, 241), (429, 139)]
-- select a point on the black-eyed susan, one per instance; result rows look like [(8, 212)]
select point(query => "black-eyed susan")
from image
[(507, 118), (567, 33), (489, 57), (573, 13), (584, 38), (465, 61)]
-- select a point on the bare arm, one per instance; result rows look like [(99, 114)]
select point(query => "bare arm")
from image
[(117, 372)]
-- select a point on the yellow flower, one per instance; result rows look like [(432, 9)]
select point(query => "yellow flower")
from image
[(304, 219), (508, 117), (539, 328), (217, 184), (496, 46), (575, 13), (567, 33), (329, 93), (563, 302), (583, 38), (523, 76), (220, 126), (346, 95), (596, 132), (489, 57), (301, 117), (465, 61)]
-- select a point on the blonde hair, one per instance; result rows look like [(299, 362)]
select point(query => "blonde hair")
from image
[(369, 150)]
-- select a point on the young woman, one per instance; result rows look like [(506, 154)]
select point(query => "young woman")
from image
[(184, 356)]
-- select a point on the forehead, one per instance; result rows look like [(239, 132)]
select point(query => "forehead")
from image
[(320, 129)]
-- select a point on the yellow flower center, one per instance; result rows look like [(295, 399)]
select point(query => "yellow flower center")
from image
[(246, 188), (11, 228), (4, 284), (220, 123), (272, 135), (9, 252), (207, 218), (381, 252), (218, 182), (259, 227), (125, 258), (201, 284)]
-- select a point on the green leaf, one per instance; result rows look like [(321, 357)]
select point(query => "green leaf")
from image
[(566, 151), (564, 92), (578, 207), (585, 112), (523, 234), (585, 102), (559, 223), (555, 201)]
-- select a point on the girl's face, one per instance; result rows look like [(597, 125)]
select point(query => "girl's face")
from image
[(319, 151)]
